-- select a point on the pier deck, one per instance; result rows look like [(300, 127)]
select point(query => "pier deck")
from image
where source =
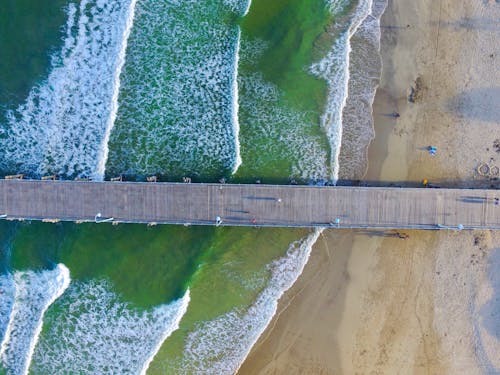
[(250, 205)]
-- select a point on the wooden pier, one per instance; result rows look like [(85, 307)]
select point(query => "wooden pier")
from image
[(249, 205)]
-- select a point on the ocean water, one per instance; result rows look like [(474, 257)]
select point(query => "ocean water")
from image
[(240, 89)]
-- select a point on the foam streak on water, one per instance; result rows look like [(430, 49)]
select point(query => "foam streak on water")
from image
[(335, 69), (178, 112), (96, 332), (221, 345), (265, 117), (247, 9), (173, 326), (7, 295), (34, 293), (104, 151), (62, 124), (235, 120)]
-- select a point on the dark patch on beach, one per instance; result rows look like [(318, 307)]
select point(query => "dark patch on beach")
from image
[(416, 92), (479, 104)]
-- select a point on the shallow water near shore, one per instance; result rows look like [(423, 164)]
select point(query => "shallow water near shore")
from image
[(200, 89)]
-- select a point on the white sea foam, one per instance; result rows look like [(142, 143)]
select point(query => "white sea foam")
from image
[(34, 293), (102, 157), (241, 7), (180, 309), (267, 118), (236, 106), (247, 9), (334, 68), (337, 6), (63, 121), (7, 291), (365, 70), (221, 345), (96, 332), (178, 102)]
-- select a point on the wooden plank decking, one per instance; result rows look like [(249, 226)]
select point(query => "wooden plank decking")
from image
[(248, 205)]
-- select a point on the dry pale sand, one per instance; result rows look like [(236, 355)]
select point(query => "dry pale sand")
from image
[(371, 304)]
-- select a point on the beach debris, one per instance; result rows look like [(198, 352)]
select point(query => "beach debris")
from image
[(117, 179), (481, 241), (432, 150), (496, 145), (83, 179), (477, 240), (151, 179), (186, 180), (49, 178), (218, 221), (425, 182), (416, 92), (222, 180), (402, 236), (394, 234)]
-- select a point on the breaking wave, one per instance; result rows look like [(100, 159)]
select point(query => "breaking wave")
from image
[(265, 117), (221, 345), (26, 297), (64, 120), (365, 70), (179, 103), (235, 99), (104, 151), (98, 333), (335, 69)]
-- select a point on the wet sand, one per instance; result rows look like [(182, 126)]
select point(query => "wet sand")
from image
[(369, 303)]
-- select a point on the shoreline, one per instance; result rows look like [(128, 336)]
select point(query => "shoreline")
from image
[(367, 302)]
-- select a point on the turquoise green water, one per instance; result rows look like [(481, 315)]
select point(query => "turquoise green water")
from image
[(147, 265), (183, 130), (175, 118), (29, 33), (280, 135)]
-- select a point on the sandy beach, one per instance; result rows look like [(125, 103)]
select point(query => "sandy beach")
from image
[(370, 303)]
